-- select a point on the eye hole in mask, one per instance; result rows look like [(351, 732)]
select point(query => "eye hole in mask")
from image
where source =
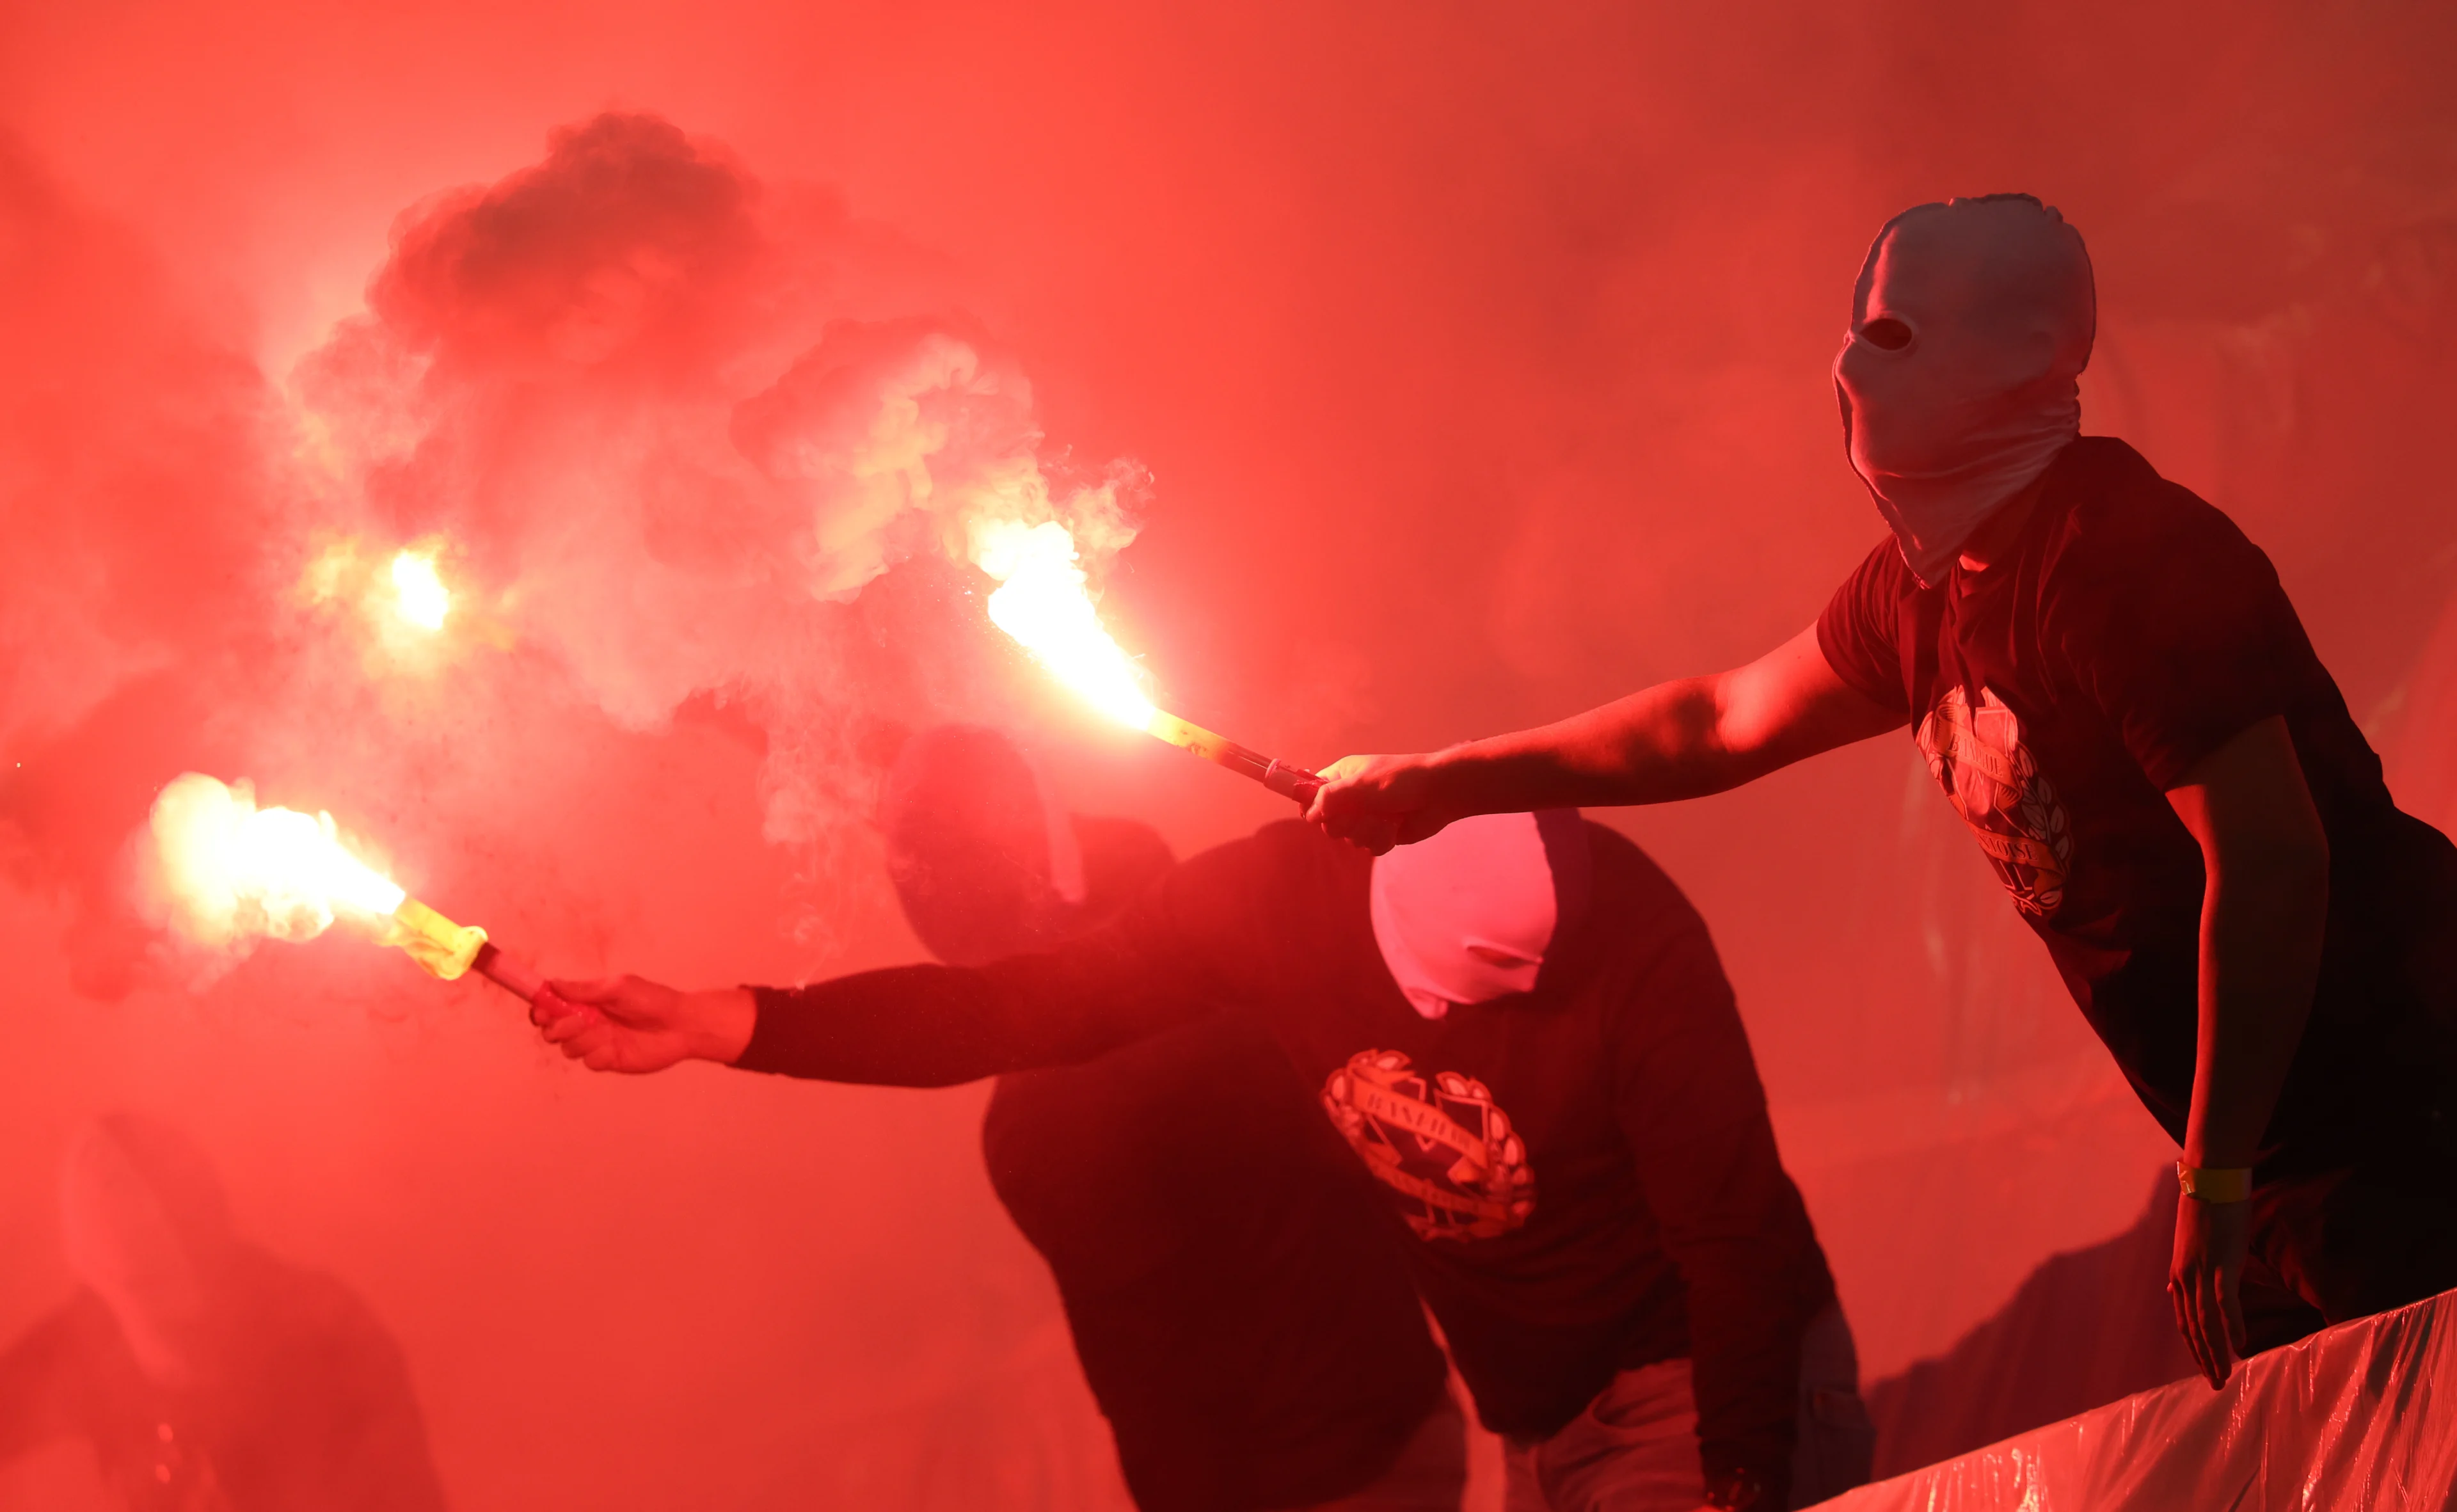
[(1888, 333), (1501, 956)]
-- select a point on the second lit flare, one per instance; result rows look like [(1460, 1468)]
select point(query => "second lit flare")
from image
[(1045, 601), (227, 874)]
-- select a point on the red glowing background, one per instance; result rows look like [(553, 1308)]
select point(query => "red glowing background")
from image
[(1435, 370)]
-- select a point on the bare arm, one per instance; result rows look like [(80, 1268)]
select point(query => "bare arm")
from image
[(1674, 740), (2265, 909)]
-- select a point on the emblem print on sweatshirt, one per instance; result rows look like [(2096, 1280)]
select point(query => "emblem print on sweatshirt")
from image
[(1438, 1141), (1977, 757)]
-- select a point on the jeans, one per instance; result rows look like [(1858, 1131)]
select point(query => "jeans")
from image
[(1635, 1449)]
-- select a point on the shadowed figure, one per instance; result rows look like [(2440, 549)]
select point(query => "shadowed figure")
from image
[(206, 1374), (1524, 1035), (1240, 1306)]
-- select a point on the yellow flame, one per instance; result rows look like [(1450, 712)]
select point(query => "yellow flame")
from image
[(419, 594), (1045, 601), (231, 872)]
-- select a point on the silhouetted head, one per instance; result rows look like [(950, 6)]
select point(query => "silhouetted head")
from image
[(146, 1226), (984, 865)]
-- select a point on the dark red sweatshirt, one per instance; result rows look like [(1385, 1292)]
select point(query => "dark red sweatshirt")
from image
[(1588, 1167)]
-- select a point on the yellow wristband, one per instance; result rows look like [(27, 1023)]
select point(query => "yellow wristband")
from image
[(2215, 1183)]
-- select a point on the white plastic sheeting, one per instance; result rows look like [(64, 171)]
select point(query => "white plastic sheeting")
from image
[(2361, 1415)]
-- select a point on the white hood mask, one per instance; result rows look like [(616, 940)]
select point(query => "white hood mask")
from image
[(1469, 915), (1971, 320)]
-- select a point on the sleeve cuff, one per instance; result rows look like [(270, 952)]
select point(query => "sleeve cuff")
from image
[(764, 1051)]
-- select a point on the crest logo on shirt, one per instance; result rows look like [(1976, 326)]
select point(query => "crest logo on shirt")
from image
[(1438, 1141), (1977, 757)]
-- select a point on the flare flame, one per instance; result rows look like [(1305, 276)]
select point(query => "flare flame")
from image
[(229, 874), (1045, 601)]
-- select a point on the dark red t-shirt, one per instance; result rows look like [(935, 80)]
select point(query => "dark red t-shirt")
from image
[(2131, 630)]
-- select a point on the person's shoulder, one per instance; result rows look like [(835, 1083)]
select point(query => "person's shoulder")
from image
[(1880, 577), (2120, 514), (1645, 954), (1121, 858), (1285, 863), (1630, 884)]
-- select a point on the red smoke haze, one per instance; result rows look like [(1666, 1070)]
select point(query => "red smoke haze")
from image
[(1458, 367)]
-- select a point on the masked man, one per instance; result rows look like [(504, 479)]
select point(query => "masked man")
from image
[(1243, 1313), (1524, 1033), (206, 1374), (2112, 688)]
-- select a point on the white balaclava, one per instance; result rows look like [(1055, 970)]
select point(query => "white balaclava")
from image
[(1469, 915), (1971, 320)]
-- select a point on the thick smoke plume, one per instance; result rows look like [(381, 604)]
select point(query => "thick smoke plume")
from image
[(638, 410), (653, 437)]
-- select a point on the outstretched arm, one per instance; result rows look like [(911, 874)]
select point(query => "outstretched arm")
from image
[(1175, 953), (1677, 739), (921, 1026)]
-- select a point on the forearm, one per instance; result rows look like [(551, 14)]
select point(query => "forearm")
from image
[(909, 1026), (1654, 746), (2262, 922), (930, 1026)]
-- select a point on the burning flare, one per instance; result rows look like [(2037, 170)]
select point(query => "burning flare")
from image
[(232, 872), (1045, 601), (229, 874)]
